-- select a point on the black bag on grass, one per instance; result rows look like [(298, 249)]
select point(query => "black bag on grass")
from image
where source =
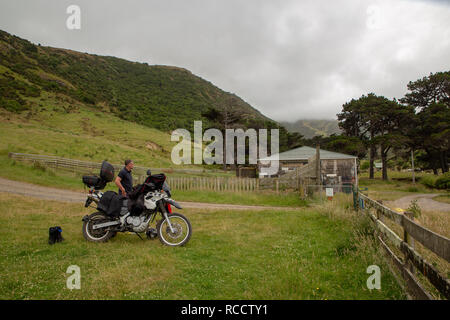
[(54, 235)]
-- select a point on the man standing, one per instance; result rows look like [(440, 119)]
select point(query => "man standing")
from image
[(124, 180)]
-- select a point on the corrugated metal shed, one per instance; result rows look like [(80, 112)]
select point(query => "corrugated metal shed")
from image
[(304, 153)]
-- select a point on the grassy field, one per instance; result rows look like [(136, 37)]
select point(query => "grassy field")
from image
[(67, 127), (316, 253), (399, 185)]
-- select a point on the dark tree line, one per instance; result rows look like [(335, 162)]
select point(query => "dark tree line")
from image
[(374, 126), (418, 122), (226, 115)]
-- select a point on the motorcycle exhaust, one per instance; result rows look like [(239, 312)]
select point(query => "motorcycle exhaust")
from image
[(105, 224)]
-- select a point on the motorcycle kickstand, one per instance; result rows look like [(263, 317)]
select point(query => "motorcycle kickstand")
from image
[(139, 236)]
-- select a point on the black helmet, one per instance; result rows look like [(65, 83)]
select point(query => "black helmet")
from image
[(149, 172)]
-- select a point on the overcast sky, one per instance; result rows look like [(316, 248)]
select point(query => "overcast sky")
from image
[(290, 59)]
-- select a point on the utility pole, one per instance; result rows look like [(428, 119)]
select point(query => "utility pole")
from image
[(412, 164)]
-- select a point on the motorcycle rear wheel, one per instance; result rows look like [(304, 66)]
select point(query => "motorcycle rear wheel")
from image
[(99, 235)]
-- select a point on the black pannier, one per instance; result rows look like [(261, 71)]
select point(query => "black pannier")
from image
[(94, 181), (157, 180), (91, 181), (110, 203), (152, 183), (107, 171)]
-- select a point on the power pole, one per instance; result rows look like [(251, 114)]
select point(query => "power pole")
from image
[(412, 164)]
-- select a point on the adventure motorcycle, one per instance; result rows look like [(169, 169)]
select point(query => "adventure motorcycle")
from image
[(136, 213)]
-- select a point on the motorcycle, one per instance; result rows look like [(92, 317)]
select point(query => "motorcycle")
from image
[(173, 229)]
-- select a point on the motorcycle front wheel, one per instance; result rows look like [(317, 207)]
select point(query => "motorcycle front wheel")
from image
[(182, 230)]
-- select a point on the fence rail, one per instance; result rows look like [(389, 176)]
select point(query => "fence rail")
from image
[(413, 261), (214, 183), (176, 183), (79, 165)]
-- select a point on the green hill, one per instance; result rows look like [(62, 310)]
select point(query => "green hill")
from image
[(65, 128), (311, 128), (83, 106), (161, 97)]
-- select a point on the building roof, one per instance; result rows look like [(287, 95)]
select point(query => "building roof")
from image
[(304, 153)]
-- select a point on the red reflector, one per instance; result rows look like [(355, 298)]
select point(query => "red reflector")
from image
[(169, 208)]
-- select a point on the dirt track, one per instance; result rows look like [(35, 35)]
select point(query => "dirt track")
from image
[(424, 200), (40, 192)]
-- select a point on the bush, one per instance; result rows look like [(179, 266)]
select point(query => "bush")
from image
[(428, 181), (13, 105), (365, 165), (412, 189), (415, 209), (443, 182)]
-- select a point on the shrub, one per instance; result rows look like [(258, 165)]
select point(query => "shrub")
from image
[(443, 182), (365, 165), (415, 209), (428, 181), (13, 105)]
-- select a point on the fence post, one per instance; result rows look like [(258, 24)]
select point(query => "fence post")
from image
[(355, 197), (410, 240), (277, 185), (301, 189)]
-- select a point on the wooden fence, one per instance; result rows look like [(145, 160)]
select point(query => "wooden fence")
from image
[(83, 166), (412, 260), (176, 183), (232, 184)]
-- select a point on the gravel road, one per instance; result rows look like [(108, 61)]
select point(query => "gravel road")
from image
[(40, 192), (424, 200)]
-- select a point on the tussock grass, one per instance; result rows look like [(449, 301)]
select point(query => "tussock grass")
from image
[(303, 254)]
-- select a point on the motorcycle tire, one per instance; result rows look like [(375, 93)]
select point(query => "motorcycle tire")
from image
[(165, 235), (96, 235)]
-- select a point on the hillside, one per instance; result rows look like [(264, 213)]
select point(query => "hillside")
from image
[(161, 97), (57, 126), (311, 128)]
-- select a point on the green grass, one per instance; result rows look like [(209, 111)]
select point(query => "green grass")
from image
[(399, 185), (261, 198), (82, 134), (443, 198), (304, 254)]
